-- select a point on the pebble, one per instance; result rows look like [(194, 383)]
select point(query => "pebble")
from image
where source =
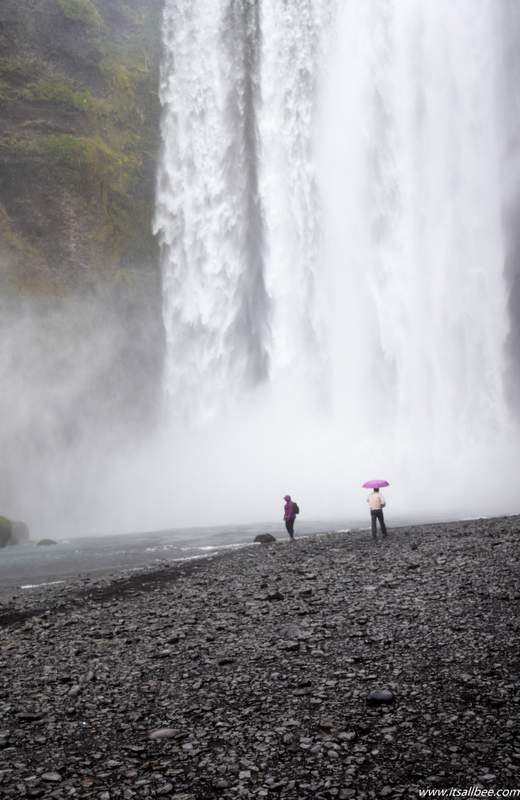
[(164, 733), (51, 777), (166, 788), (256, 698)]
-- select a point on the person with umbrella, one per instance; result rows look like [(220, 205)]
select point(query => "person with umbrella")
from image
[(376, 503)]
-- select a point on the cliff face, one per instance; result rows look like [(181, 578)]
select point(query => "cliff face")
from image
[(80, 292), (79, 124)]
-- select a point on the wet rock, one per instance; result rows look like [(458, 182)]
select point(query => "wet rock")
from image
[(264, 538), (294, 719), (51, 777), (166, 733), (378, 697), (223, 660), (165, 789), (5, 531)]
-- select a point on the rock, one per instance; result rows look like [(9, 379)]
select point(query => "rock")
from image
[(46, 542), (19, 533), (326, 723), (274, 595), (497, 700), (29, 716), (5, 531), (290, 646), (379, 697), (12, 532), (222, 660), (51, 777), (264, 538), (166, 733), (295, 708), (166, 788)]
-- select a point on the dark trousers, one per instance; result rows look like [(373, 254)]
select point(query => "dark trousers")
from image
[(289, 524), (378, 515)]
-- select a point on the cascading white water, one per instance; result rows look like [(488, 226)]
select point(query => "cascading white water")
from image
[(411, 148), (329, 210)]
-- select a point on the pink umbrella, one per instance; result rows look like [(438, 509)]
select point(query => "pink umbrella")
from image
[(375, 484)]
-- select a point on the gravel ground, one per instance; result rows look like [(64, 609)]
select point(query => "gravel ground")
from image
[(259, 674)]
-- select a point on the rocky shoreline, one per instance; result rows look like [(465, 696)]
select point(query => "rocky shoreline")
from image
[(252, 674)]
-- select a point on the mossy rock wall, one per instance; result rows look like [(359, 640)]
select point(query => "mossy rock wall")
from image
[(79, 129), (5, 531), (79, 137)]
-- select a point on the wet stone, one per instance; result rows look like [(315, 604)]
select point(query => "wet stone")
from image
[(378, 697), (165, 733), (51, 777)]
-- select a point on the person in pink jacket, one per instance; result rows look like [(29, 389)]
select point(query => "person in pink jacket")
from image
[(289, 514)]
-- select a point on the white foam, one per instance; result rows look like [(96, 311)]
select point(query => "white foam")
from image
[(38, 585)]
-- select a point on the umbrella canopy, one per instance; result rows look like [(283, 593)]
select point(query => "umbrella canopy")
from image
[(375, 484)]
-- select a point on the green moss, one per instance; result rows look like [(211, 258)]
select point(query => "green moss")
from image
[(5, 531), (64, 94), (106, 156), (17, 69), (6, 91), (90, 154), (83, 11), (13, 241)]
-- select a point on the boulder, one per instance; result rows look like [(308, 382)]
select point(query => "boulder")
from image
[(380, 697), (5, 531), (264, 538), (12, 532), (19, 532)]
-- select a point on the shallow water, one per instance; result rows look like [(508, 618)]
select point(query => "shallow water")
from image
[(31, 565)]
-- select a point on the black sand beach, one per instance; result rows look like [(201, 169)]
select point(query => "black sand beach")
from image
[(246, 675)]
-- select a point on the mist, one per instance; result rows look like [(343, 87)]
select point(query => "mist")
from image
[(339, 284)]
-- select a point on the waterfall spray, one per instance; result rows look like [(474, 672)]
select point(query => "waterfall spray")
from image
[(329, 210)]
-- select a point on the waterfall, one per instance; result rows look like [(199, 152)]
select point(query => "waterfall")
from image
[(329, 208), (415, 251)]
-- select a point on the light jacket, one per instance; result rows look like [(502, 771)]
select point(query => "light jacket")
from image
[(376, 501)]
